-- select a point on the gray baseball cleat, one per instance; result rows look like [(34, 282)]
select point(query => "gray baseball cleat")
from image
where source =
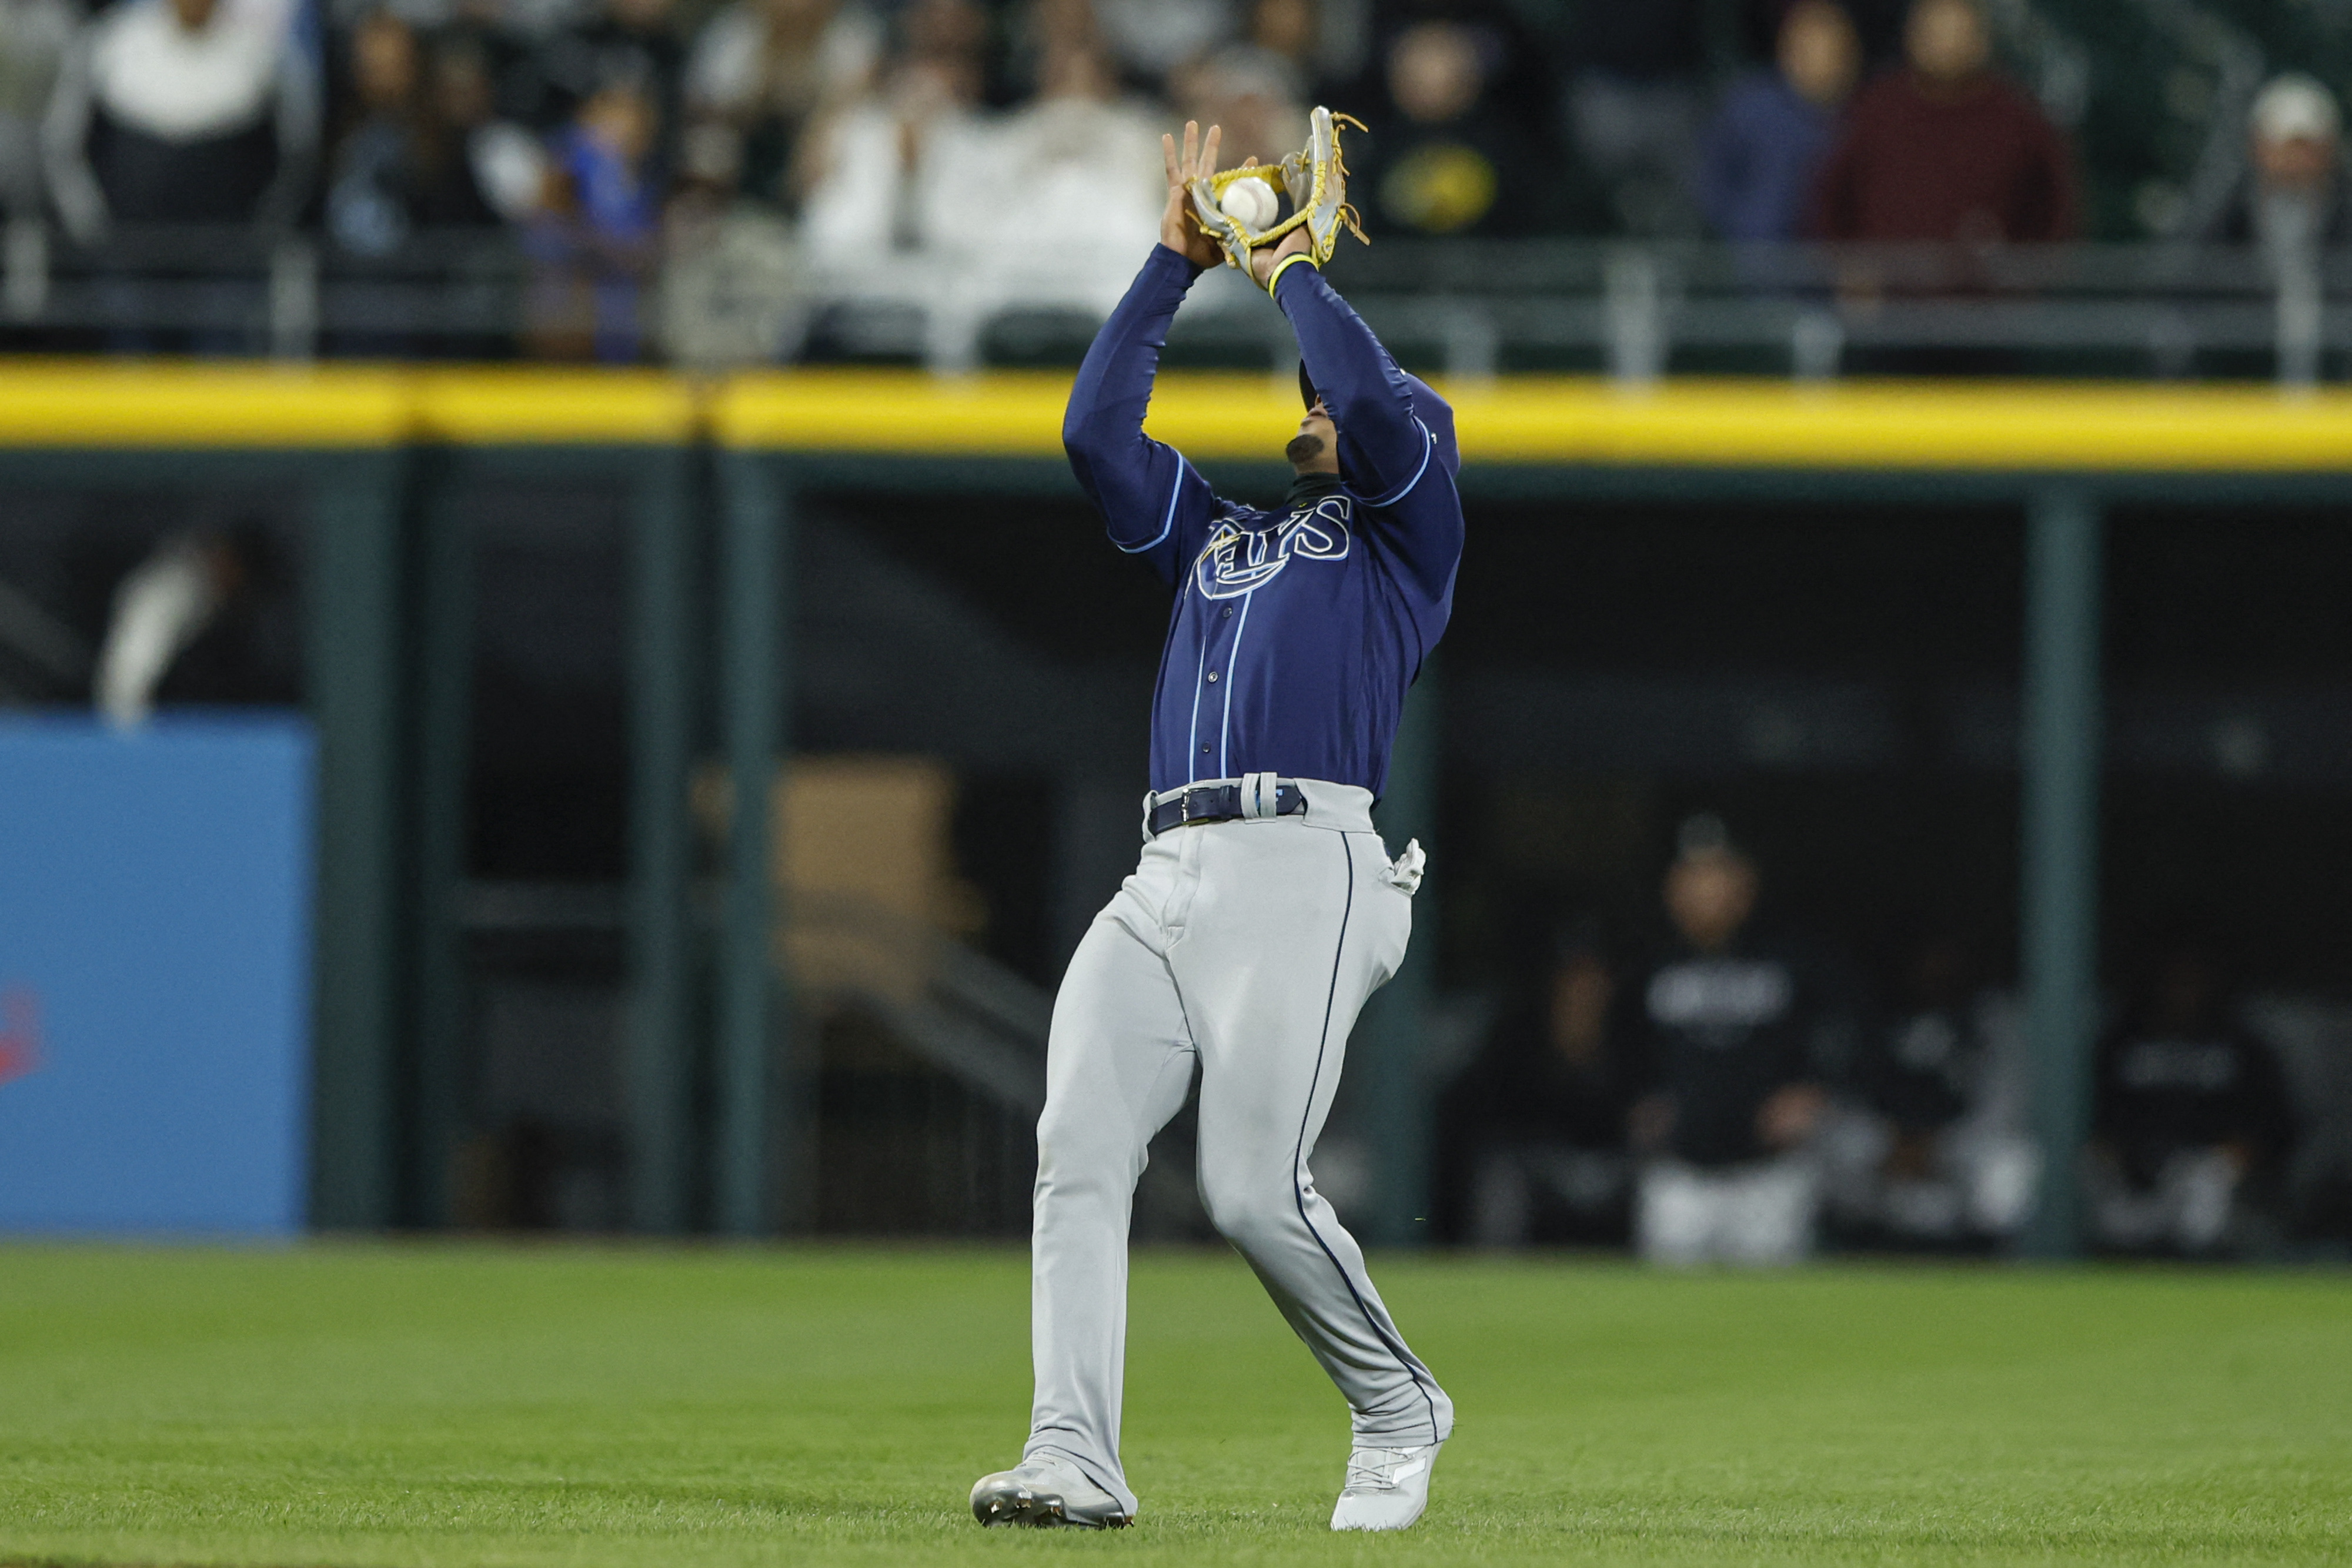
[(1042, 1493), (1387, 1487)]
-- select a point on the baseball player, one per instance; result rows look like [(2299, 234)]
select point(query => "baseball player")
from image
[(1738, 1098), (1266, 908)]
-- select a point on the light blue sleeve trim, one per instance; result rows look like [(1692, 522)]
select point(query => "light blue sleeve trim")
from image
[(1402, 491), (1168, 523)]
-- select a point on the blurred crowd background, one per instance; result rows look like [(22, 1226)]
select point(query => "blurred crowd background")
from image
[(729, 180)]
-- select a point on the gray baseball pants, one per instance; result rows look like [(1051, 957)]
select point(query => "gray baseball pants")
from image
[(1242, 950)]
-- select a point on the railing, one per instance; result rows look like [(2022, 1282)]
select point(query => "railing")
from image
[(1468, 308)]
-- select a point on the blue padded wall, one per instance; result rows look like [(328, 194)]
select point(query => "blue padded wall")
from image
[(154, 974)]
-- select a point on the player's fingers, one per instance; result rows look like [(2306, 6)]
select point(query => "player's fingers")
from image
[(1192, 148), (1209, 150), (1250, 162), (1168, 156)]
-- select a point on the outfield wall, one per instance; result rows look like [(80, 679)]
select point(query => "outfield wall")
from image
[(710, 469)]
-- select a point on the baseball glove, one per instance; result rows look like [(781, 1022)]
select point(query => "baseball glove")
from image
[(1316, 182)]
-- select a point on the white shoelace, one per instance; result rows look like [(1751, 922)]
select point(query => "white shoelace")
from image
[(1378, 1469)]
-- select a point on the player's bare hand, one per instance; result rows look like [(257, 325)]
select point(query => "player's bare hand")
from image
[(1264, 259), (1178, 231)]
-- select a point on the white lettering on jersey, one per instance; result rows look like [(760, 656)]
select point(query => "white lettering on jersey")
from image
[(1709, 994), (1236, 560), (2201, 1067)]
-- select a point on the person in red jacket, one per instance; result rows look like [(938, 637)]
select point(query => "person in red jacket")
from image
[(1945, 150)]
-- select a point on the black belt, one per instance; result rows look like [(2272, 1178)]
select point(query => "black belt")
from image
[(1220, 803)]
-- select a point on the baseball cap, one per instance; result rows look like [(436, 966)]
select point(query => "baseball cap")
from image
[(1704, 834), (2296, 108)]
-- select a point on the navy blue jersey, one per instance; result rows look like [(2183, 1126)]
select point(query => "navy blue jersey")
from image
[(1295, 632)]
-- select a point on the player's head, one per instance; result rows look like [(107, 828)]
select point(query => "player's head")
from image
[(1818, 52), (1316, 448), (1948, 41), (2295, 128), (1433, 412), (1711, 888)]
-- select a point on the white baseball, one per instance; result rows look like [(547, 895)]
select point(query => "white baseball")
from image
[(1251, 203)]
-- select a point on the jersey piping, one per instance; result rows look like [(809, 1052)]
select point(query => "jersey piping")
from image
[(1168, 523), (1402, 491)]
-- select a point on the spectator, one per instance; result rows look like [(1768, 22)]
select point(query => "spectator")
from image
[(906, 169), (595, 241), (1544, 1108), (1736, 1095), (1442, 159), (1952, 1164), (1635, 106), (2190, 1111), (1252, 92), (1259, 86), (1147, 41), (2292, 199), (1080, 146), (1760, 155), (630, 39), (180, 111), (1289, 31), (1945, 150), (479, 169), (378, 166), (34, 37), (418, 154), (761, 75)]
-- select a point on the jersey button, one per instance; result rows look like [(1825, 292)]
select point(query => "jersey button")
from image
[(1204, 751), (1213, 678), (1228, 612)]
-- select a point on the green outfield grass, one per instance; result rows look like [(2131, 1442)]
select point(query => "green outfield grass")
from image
[(451, 1406)]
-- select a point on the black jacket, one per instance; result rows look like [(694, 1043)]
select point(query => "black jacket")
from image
[(1725, 1031)]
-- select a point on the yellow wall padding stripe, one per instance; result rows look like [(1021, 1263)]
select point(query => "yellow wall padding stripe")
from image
[(1856, 424), (542, 406), (1006, 414), (171, 404), (1918, 425), (119, 403), (1924, 426)]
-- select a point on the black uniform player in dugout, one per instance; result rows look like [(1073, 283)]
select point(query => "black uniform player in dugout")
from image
[(1734, 1095), (2190, 1109)]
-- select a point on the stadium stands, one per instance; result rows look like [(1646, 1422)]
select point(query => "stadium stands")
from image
[(789, 180)]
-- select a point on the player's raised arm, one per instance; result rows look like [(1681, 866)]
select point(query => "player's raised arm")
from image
[(1149, 497), (1370, 398)]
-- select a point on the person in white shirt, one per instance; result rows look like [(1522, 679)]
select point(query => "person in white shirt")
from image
[(908, 167), (1079, 146), (34, 37), (180, 111), (762, 73)]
